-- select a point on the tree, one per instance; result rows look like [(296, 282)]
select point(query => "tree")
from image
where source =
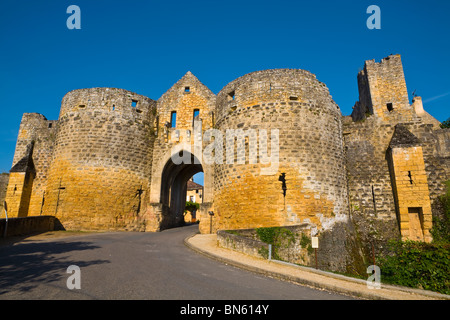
[(191, 206), (445, 124)]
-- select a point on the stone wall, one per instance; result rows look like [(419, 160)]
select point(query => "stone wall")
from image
[(238, 242), (102, 158), (4, 179), (291, 247), (106, 163), (368, 135), (34, 130), (310, 164), (382, 89), (337, 249), (185, 96), (27, 225)]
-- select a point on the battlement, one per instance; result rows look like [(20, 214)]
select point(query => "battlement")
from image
[(112, 100), (274, 85)]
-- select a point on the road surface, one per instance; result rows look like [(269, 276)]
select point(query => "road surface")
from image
[(131, 265)]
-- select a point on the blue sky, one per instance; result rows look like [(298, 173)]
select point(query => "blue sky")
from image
[(146, 46)]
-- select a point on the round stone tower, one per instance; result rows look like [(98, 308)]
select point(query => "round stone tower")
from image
[(293, 169), (102, 159)]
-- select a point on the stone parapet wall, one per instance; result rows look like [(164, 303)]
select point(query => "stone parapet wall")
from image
[(27, 225)]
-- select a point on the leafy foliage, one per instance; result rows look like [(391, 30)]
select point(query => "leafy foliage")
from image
[(418, 265), (441, 226), (191, 206), (445, 124), (277, 237)]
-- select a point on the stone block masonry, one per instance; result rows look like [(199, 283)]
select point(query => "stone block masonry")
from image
[(101, 159), (310, 153), (107, 163), (27, 225)]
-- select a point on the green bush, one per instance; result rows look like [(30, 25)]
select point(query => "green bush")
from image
[(418, 265), (277, 237), (445, 124), (441, 225), (191, 206), (266, 235)]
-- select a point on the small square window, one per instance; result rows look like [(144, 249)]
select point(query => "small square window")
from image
[(390, 107), (231, 95), (50, 125), (187, 89), (134, 103)]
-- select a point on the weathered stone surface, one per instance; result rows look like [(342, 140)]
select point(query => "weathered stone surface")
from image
[(108, 162)]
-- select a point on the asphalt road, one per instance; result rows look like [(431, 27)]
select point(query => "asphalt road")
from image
[(129, 265)]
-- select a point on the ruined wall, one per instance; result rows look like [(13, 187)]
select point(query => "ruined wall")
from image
[(382, 90), (102, 158), (367, 138), (4, 178), (311, 156), (37, 130)]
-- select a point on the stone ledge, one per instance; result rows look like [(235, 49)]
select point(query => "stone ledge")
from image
[(27, 225)]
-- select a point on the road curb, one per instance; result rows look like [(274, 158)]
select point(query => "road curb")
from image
[(354, 292)]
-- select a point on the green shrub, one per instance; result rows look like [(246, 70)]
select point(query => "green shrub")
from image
[(305, 242), (418, 265), (441, 225), (277, 237), (191, 206), (445, 124), (266, 235)]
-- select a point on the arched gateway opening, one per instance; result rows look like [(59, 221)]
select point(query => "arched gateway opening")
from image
[(174, 180)]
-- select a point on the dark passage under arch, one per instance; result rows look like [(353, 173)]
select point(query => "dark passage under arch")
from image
[(174, 180)]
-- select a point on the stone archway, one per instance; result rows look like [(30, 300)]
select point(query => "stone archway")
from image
[(174, 179)]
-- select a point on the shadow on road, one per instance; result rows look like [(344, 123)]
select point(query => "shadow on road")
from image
[(28, 264)]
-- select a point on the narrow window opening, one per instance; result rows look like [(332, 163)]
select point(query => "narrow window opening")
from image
[(231, 95), (196, 115), (373, 200), (410, 177), (390, 107), (82, 106), (293, 98), (173, 119), (282, 178), (113, 107), (50, 125), (187, 89), (134, 103)]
